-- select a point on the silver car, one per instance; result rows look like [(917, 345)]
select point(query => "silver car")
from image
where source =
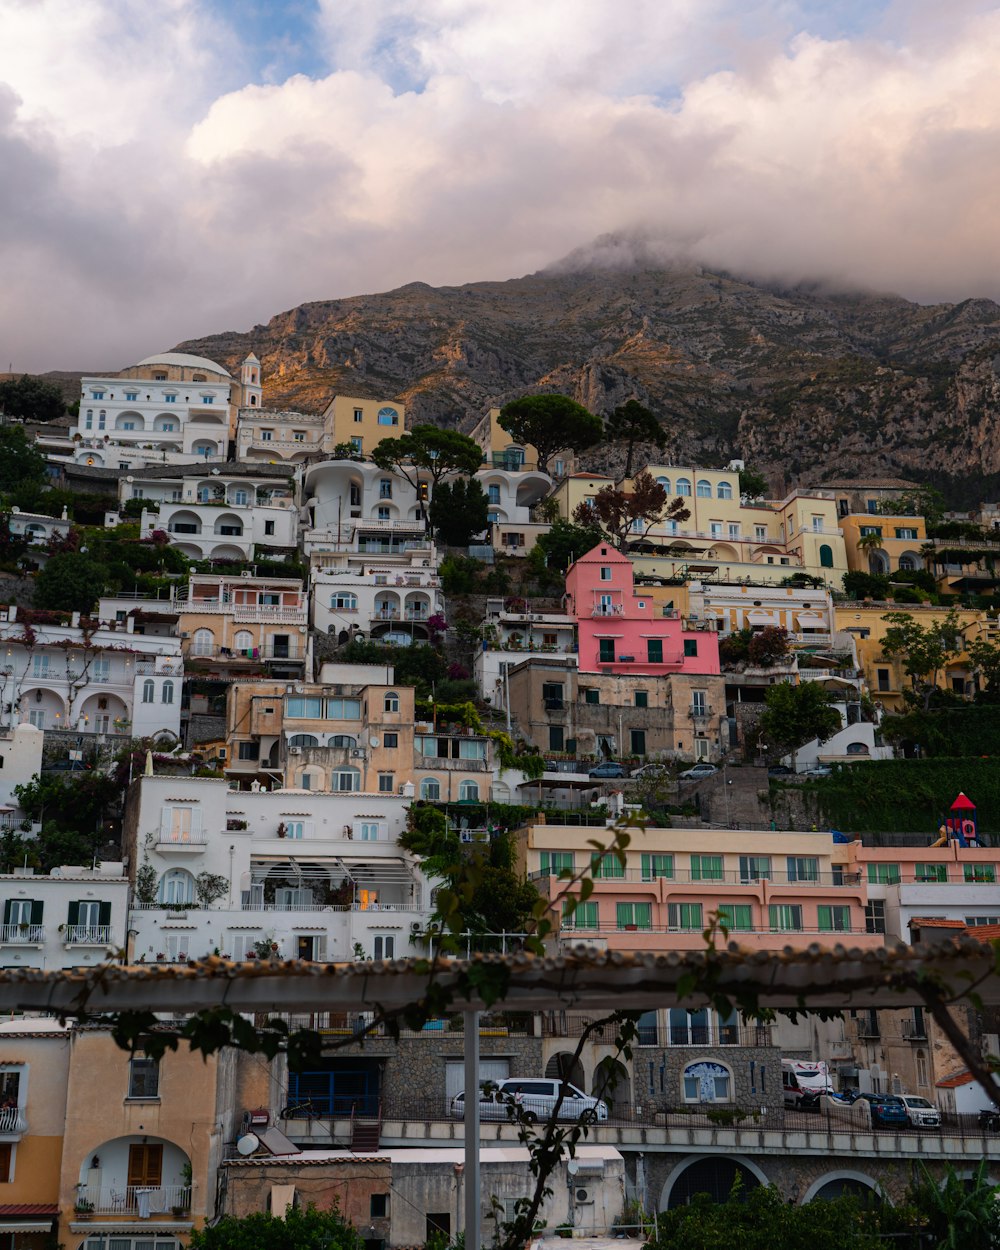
[(920, 1112), (535, 1098)]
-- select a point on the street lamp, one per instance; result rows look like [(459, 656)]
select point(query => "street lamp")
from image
[(433, 456)]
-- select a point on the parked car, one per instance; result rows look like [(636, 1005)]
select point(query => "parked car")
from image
[(608, 769), (698, 771), (650, 772), (536, 1097), (920, 1112), (780, 770), (821, 770), (885, 1109)]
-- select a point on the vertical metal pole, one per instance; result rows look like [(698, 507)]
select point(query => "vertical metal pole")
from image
[(473, 1236)]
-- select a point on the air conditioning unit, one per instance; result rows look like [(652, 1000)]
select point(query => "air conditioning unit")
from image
[(583, 1195), (358, 753), (415, 926), (244, 573), (294, 750)]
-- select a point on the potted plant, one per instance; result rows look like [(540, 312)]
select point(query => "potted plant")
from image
[(83, 1206)]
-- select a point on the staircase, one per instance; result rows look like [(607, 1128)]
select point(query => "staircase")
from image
[(366, 1132)]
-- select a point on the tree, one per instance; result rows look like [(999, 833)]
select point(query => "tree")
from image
[(31, 399), (860, 585), (795, 715), (295, 1229), (566, 542), (753, 485), (427, 454), (922, 501), (625, 515), (550, 423), (459, 511), (985, 657), (925, 650), (632, 424), (209, 886), (769, 646), (70, 581), (20, 461), (868, 544)]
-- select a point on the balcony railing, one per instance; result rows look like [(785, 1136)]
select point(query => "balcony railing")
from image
[(87, 935), (914, 1031), (700, 713), (22, 934), (13, 1120), (686, 876), (569, 1024), (135, 1201)]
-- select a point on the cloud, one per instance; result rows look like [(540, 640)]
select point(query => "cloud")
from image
[(161, 193)]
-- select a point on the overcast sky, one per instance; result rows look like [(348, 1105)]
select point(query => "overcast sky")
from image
[(173, 168)]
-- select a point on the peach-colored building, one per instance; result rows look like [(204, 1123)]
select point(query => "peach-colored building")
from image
[(617, 630), (239, 626)]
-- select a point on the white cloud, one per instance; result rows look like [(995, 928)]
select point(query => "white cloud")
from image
[(455, 140)]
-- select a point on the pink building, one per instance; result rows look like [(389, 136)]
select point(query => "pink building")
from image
[(618, 630)]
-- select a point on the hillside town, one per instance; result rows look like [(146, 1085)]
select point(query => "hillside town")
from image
[(272, 678)]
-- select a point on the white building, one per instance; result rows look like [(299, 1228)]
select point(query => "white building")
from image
[(38, 530), (512, 636), (20, 760), (376, 598), (106, 679), (314, 876), (169, 408), (74, 916)]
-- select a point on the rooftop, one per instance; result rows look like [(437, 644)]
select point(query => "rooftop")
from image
[(182, 360)]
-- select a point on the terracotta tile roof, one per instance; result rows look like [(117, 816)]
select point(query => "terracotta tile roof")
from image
[(984, 932), (28, 1208), (955, 1080), (935, 922)]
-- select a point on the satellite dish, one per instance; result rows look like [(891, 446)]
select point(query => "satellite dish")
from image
[(247, 1144), (373, 742)]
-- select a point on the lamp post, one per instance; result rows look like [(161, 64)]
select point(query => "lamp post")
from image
[(432, 455)]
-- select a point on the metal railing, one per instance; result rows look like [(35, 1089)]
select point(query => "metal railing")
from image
[(685, 876), (139, 1201), (13, 1120), (571, 1024), (87, 935), (22, 934)]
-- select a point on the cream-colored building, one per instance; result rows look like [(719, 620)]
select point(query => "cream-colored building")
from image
[(501, 451), (363, 423)]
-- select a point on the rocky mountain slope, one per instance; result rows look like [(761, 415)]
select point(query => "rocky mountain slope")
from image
[(802, 382)]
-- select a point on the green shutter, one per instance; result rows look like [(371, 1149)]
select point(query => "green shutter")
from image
[(36, 910), (105, 914), (6, 910), (73, 916)]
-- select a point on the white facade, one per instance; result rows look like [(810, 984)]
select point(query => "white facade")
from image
[(206, 531), (510, 496), (805, 613), (375, 599), (340, 493), (20, 760), (316, 875), (973, 901), (107, 680), (38, 530), (75, 916), (510, 637)]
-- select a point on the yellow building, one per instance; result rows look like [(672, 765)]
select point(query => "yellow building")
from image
[(500, 451), (900, 539), (363, 423)]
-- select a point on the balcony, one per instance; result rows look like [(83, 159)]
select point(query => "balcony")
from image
[(184, 842), (135, 1201), (700, 713), (12, 1120), (88, 935), (914, 1031), (22, 934), (730, 877)]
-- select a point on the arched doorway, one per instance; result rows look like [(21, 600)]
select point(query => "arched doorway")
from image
[(836, 1184), (563, 1065), (714, 1175), (612, 1084)]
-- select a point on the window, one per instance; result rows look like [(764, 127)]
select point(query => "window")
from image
[(170, 399), (298, 436), (704, 488), (584, 916), (203, 642), (344, 601), (391, 702), (826, 556), (641, 698), (884, 678), (356, 445), (802, 868), (591, 695), (493, 494), (699, 702), (388, 416), (638, 741), (131, 396), (128, 425), (883, 874), (430, 788), (736, 916), (657, 866), (871, 529), (905, 531), (167, 692), (980, 874), (248, 751), (684, 916), (97, 394), (755, 868), (359, 416), (148, 690), (930, 873), (341, 709), (606, 650), (834, 919), (345, 779), (266, 436), (384, 514), (468, 792), (684, 486), (634, 915), (690, 646), (387, 783), (733, 529), (706, 868), (654, 650), (390, 741), (368, 831), (784, 917), (875, 916), (555, 862), (760, 533), (606, 867), (143, 1078), (40, 666), (715, 528), (557, 738), (707, 1082), (378, 1204), (724, 491), (605, 573), (512, 540)]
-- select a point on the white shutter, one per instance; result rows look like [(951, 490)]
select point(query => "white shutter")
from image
[(166, 819), (383, 832), (195, 821)]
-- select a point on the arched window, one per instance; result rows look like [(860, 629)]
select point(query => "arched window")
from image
[(243, 640), (430, 788), (707, 1082), (168, 692), (468, 792), (391, 702), (724, 491), (303, 740), (704, 488), (684, 486), (826, 556), (907, 563), (345, 779), (665, 483), (204, 640), (177, 886), (341, 740), (148, 690), (344, 601)]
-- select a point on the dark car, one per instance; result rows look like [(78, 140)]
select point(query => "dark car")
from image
[(608, 770), (780, 770), (886, 1109)]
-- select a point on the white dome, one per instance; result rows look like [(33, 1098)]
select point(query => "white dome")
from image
[(182, 361)]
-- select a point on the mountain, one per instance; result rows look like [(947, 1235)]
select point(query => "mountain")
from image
[(802, 382)]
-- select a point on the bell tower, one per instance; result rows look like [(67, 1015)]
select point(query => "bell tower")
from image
[(250, 386)]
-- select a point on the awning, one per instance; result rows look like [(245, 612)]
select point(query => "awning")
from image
[(27, 1226)]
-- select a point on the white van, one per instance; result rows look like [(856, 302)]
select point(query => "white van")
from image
[(536, 1096), (802, 1083)]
